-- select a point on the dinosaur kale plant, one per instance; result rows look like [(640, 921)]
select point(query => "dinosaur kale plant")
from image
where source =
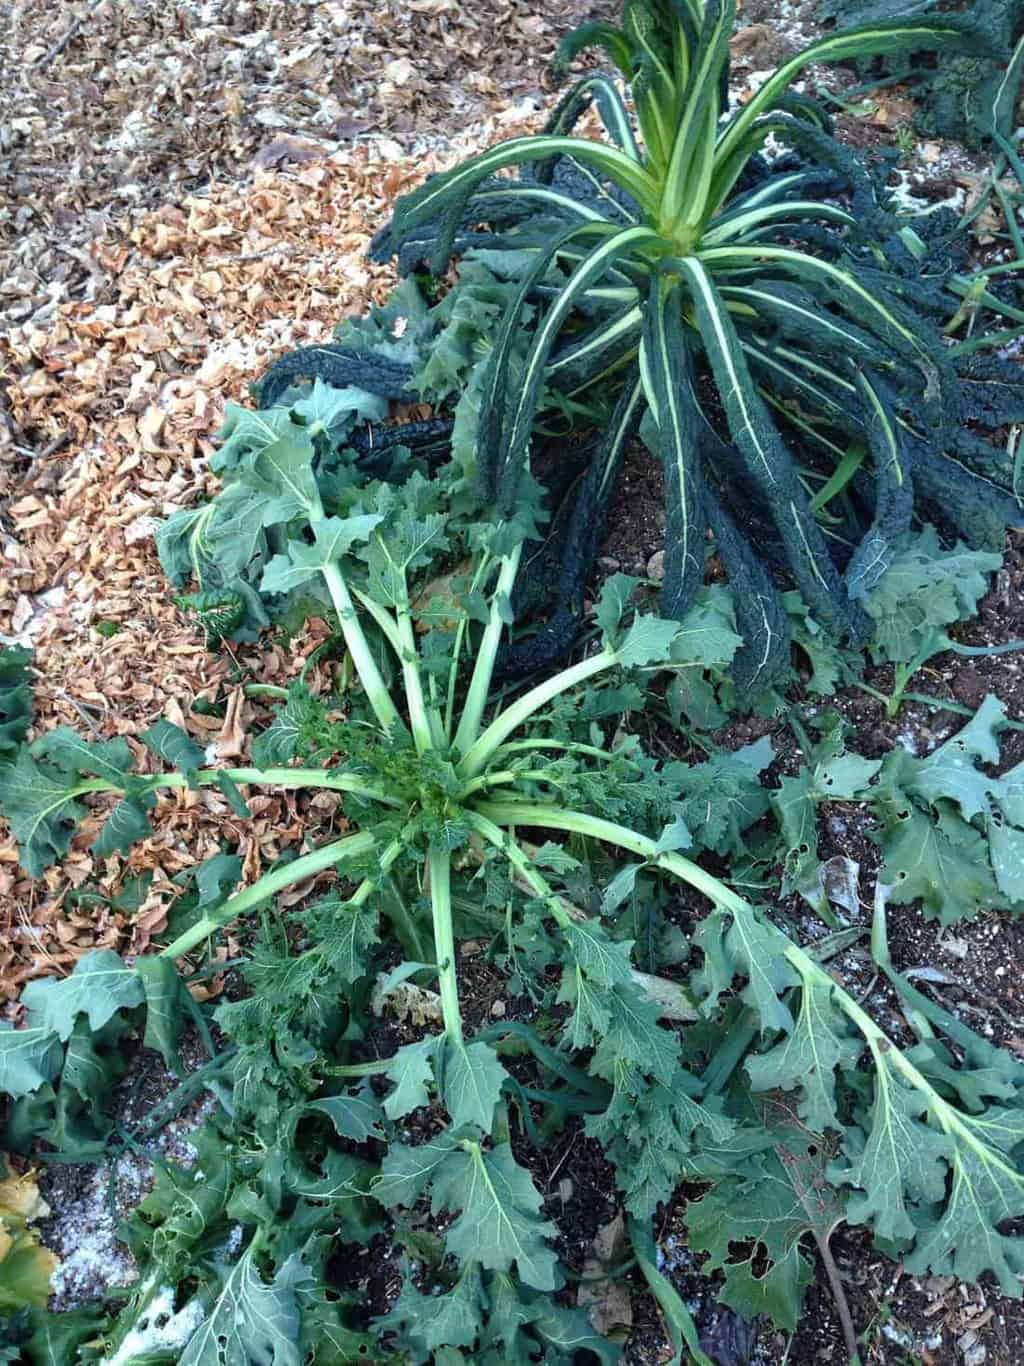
[(706, 1046), (776, 331), (967, 96)]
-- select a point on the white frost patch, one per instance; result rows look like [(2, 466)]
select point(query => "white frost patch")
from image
[(234, 353), (908, 740), (91, 1257), (84, 1229), (141, 529), (159, 1329), (132, 133), (903, 196)]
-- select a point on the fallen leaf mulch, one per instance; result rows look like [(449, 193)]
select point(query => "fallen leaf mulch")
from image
[(108, 106)]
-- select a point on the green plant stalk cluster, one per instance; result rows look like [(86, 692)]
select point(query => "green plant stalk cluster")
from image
[(446, 789)]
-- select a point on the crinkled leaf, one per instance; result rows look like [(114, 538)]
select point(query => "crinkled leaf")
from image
[(987, 1192), (126, 825), (771, 1213), (252, 1321), (1006, 850), (616, 591), (174, 745), (723, 797), (348, 935), (334, 538), (706, 637), (355, 1114), (944, 862), (473, 1077), (15, 698), (737, 943), (166, 1006), (283, 471), (951, 771), (291, 723), (604, 960), (515, 1309), (807, 1058), (99, 987), (41, 807), (647, 641), (924, 590), (498, 1223), (635, 1038), (328, 409), (110, 760), (411, 1069), (652, 1134), (610, 1014), (246, 431), (451, 1319), (900, 1168), (28, 1059)]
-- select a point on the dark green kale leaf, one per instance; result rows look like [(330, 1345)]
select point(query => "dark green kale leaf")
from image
[(770, 1211), (15, 699)]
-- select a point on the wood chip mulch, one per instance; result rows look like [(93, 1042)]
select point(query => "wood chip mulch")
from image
[(122, 393)]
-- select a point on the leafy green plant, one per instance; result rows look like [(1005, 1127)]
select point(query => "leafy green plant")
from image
[(756, 1074), (926, 590), (968, 97), (951, 835), (778, 341), (15, 699)]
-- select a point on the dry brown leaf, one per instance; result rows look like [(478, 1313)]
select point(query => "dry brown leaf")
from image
[(231, 739), (607, 1298)]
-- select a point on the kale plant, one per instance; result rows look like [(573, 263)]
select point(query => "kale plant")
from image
[(967, 96), (753, 1072), (774, 328)]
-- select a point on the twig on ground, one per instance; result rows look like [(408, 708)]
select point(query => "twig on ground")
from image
[(69, 33)]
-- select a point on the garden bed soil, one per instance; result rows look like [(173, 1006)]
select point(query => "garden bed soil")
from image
[(189, 190)]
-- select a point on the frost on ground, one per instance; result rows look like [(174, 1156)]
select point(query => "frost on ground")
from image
[(159, 1329), (88, 1204)]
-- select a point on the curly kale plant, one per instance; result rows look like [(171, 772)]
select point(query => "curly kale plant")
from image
[(784, 343), (759, 1075)]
